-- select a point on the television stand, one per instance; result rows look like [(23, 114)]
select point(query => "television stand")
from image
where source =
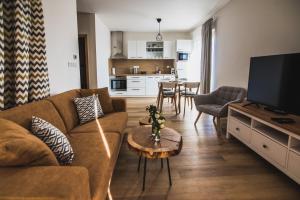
[(250, 103), (276, 111), (278, 143)]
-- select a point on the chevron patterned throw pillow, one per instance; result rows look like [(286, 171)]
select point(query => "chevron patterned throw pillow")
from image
[(88, 108), (54, 138)]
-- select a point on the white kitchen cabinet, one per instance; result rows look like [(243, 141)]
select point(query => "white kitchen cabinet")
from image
[(118, 93), (141, 50), (183, 46), (136, 49), (131, 50), (169, 50), (152, 85), (181, 69), (136, 85)]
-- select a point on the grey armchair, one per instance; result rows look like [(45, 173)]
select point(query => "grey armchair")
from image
[(216, 103)]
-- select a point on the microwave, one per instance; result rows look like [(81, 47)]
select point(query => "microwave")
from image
[(183, 56), (118, 84)]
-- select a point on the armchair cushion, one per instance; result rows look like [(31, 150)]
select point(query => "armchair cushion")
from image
[(212, 109), (204, 99)]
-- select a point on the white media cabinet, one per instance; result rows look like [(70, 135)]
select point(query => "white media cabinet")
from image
[(278, 143)]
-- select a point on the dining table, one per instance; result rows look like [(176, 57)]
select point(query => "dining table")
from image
[(179, 82)]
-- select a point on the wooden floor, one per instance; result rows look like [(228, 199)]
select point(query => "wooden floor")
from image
[(209, 166)]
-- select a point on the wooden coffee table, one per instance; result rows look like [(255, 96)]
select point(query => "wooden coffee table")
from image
[(140, 141), (145, 121)]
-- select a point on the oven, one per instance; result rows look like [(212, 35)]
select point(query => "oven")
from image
[(118, 83)]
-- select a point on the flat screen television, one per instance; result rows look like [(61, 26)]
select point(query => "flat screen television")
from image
[(274, 81)]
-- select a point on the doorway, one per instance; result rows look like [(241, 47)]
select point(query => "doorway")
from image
[(83, 61)]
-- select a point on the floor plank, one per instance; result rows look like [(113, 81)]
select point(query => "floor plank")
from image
[(209, 166)]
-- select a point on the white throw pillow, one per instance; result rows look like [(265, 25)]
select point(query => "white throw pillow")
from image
[(54, 138), (88, 108)]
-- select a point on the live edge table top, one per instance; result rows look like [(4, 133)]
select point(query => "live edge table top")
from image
[(140, 140), (262, 114)]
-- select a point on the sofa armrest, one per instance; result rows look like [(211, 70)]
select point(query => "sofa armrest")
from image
[(204, 99), (119, 104), (45, 182)]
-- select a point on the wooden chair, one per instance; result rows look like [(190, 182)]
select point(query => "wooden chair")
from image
[(191, 89), (167, 90)]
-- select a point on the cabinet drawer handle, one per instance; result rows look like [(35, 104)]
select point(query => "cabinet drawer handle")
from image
[(264, 146), (136, 81), (237, 129), (135, 89)]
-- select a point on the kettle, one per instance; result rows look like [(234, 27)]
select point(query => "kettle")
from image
[(136, 69)]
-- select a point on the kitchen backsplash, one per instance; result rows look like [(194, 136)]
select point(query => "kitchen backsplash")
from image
[(123, 66)]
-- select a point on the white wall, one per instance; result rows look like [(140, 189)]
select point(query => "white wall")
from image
[(253, 28), (102, 52), (61, 44), (194, 69)]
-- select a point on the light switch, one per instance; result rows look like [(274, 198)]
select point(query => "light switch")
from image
[(72, 64)]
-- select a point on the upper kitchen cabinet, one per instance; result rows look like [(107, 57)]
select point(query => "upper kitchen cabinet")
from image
[(137, 50), (155, 50), (169, 50), (141, 49), (183, 45)]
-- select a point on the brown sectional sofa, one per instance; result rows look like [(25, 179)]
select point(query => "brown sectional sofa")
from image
[(96, 146)]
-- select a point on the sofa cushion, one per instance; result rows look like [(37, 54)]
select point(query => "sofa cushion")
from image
[(18, 147), (44, 183), (104, 98), (112, 122), (44, 109), (88, 108), (98, 154), (54, 138), (66, 108)]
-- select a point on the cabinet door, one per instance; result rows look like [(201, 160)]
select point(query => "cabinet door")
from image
[(132, 49), (169, 50), (141, 49), (184, 45), (152, 85)]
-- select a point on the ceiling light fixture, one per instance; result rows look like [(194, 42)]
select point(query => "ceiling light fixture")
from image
[(159, 36)]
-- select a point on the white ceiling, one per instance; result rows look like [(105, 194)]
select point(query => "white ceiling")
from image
[(140, 15)]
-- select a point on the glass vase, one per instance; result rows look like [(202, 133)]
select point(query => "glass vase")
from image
[(157, 136)]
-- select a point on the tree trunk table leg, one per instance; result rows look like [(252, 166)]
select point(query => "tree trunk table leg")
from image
[(169, 172), (144, 177), (161, 163)]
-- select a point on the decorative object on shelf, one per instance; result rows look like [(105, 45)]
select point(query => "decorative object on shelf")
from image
[(158, 122), (159, 36)]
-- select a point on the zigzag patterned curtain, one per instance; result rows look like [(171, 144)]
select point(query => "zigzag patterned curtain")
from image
[(23, 67)]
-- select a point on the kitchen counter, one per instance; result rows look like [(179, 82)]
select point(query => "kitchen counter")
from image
[(143, 75)]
